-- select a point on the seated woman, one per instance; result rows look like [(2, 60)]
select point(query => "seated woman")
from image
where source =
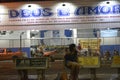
[(71, 61)]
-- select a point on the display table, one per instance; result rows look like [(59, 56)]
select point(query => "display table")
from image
[(37, 64), (116, 64), (91, 62)]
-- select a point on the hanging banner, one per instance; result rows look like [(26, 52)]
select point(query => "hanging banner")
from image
[(93, 43)]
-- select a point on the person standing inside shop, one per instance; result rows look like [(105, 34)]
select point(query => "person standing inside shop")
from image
[(116, 53), (89, 51), (71, 58), (39, 51), (107, 55), (79, 47)]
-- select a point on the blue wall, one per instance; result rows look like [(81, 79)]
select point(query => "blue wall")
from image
[(110, 48), (25, 49)]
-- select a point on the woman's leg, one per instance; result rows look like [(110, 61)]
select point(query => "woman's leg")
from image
[(74, 70)]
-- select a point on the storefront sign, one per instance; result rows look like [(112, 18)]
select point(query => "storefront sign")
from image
[(78, 13), (27, 13)]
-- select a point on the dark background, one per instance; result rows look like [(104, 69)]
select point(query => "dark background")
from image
[(3, 1)]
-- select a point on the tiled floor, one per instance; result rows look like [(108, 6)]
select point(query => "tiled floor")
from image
[(8, 72)]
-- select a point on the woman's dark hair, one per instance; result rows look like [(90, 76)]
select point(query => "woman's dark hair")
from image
[(71, 47)]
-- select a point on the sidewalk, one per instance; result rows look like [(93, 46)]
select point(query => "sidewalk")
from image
[(8, 72), (53, 76)]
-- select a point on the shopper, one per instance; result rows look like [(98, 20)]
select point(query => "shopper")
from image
[(116, 53), (107, 55), (79, 47), (39, 51), (89, 51), (71, 61), (96, 53)]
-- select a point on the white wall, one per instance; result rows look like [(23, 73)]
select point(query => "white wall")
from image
[(110, 41), (12, 40)]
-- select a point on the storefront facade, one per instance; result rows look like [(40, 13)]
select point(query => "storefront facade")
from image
[(62, 15)]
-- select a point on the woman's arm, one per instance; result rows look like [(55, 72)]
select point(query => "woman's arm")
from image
[(48, 53)]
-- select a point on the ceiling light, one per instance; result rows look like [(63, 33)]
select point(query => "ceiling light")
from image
[(63, 4), (29, 5), (107, 2)]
